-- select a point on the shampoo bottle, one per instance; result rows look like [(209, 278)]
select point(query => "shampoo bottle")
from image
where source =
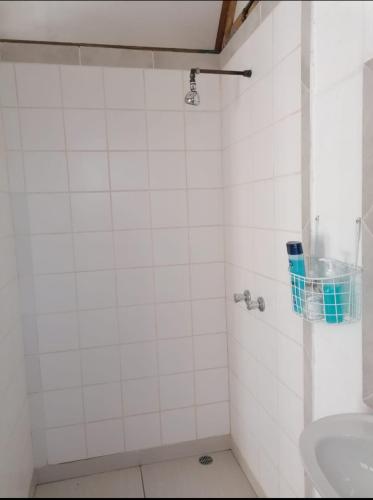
[(297, 269)]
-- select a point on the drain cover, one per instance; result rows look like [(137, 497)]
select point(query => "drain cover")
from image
[(206, 460)]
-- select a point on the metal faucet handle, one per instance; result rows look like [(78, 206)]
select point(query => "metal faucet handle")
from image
[(250, 304), (240, 297)]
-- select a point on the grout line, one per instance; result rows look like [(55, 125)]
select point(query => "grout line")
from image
[(155, 312), (75, 279), (142, 481), (115, 272), (190, 281)]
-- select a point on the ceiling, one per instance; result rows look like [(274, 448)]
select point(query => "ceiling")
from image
[(174, 23)]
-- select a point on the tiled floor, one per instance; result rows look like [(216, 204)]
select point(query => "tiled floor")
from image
[(183, 478)]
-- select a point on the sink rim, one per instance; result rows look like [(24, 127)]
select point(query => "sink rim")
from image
[(317, 431)]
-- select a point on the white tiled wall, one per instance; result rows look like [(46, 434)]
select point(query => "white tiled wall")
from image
[(126, 348), (262, 165), (16, 465)]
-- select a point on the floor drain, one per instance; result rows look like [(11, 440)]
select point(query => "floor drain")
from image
[(206, 460)]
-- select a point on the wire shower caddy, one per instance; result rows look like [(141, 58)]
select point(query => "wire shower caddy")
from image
[(331, 290)]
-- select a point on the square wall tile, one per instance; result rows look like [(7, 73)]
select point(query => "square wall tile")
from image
[(211, 386), (45, 172), (52, 253), (164, 89), (291, 467), (177, 391), (102, 402), (290, 367), (206, 244), (165, 130), (142, 431), (11, 128), (170, 246), (126, 130), (263, 248), (105, 438), (124, 88), (262, 154), (100, 365), (38, 85), (58, 332), (291, 412), (136, 323), (175, 356), (82, 87), (66, 444), (205, 207), (260, 104), (139, 360), (98, 328), (288, 203), (33, 374), (42, 129), (131, 210), (49, 213), (60, 370), (286, 29), (8, 90), (85, 130), (16, 176), (55, 293), (96, 289), (167, 169), (94, 251), (202, 131), (287, 86), (210, 351), (88, 171), (213, 420), (162, 201), (209, 316), (141, 396), (133, 249), (63, 407), (263, 210), (91, 212), (135, 287), (287, 137), (178, 426), (207, 281), (174, 320), (204, 169), (172, 283), (129, 170)]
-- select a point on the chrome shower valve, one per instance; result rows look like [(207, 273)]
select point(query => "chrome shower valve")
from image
[(259, 303)]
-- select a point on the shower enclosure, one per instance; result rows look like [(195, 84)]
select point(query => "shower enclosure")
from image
[(137, 218)]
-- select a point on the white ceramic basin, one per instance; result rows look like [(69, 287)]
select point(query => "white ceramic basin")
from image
[(337, 455)]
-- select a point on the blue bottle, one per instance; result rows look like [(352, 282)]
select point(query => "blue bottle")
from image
[(297, 269)]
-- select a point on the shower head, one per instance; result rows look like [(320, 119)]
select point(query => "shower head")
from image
[(192, 98)]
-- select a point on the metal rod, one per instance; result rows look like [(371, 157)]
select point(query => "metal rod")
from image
[(246, 73)]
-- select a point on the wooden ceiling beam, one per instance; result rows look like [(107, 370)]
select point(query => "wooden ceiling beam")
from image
[(242, 17), (226, 21)]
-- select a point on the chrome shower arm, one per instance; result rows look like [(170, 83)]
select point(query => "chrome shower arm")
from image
[(247, 73)]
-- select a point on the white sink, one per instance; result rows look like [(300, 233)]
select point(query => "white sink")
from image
[(337, 455)]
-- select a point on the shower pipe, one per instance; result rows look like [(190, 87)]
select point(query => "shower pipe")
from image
[(195, 71), (192, 97)]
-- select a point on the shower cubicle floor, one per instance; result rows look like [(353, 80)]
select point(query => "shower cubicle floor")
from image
[(182, 478)]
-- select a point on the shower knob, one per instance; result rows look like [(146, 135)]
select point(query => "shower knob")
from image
[(259, 303)]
